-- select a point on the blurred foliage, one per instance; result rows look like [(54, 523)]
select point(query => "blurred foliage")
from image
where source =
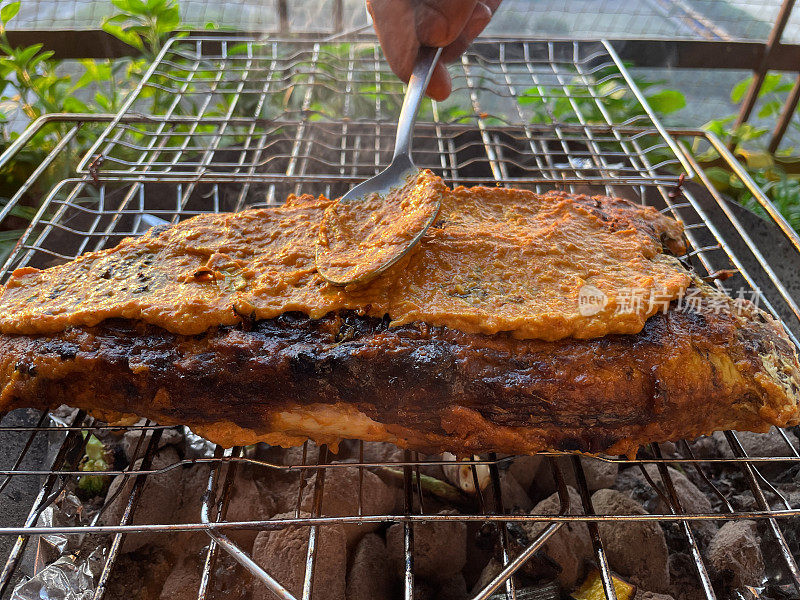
[(600, 98), (34, 84), (145, 25), (778, 174)]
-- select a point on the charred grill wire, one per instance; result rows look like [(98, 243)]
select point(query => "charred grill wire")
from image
[(242, 122)]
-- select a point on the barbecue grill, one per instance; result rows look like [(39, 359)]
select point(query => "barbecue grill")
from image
[(241, 122)]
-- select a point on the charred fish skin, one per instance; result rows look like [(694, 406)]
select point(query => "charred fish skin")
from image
[(283, 380)]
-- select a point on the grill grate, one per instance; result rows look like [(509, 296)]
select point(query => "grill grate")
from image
[(232, 123)]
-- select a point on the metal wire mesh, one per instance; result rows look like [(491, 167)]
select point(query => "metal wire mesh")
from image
[(238, 122)]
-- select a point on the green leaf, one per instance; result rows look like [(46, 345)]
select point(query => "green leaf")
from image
[(719, 176), (41, 57), (73, 105), (770, 109), (118, 19), (747, 132), (717, 126), (156, 6), (9, 11), (123, 5), (138, 7), (738, 91), (26, 54), (23, 212), (535, 99), (771, 83), (238, 50), (104, 102), (169, 21), (123, 35), (667, 101), (10, 235)]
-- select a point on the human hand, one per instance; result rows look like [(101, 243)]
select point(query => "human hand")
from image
[(405, 25)]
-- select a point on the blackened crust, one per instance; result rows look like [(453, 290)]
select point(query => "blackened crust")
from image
[(429, 388)]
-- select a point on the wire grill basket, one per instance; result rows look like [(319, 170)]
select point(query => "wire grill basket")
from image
[(236, 122)]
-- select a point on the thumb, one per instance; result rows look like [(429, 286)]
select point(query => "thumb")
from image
[(439, 22)]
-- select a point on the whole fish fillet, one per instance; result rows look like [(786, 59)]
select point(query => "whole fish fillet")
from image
[(479, 342)]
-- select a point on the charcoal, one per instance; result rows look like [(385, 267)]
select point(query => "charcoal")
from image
[(570, 546), (790, 474), (195, 483), (283, 487), (171, 436), (452, 588), (140, 575), (734, 555), (745, 500), (424, 589), (704, 447), (291, 456), (636, 550), (440, 549), (635, 484), (450, 557), (546, 591), (183, 581), (539, 567), (669, 450), (692, 499), (340, 497), (642, 595), (379, 452), (158, 501), (369, 577), (599, 474), (525, 469), (760, 444), (514, 496), (684, 583), (229, 580), (248, 503), (490, 571), (282, 553), (482, 541)]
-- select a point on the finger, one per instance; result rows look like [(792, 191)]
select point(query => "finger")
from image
[(440, 86), (393, 21), (439, 22), (478, 21)]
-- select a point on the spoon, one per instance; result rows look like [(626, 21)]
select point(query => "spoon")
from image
[(380, 220)]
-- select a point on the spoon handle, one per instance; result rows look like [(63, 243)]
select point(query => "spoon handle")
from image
[(420, 77)]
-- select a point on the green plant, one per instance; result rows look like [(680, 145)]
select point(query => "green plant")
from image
[(35, 83), (777, 175), (574, 101), (96, 458), (144, 24)]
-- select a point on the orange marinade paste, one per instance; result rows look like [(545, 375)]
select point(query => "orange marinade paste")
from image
[(495, 260), (359, 239)]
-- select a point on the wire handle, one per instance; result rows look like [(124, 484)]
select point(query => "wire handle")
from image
[(417, 84)]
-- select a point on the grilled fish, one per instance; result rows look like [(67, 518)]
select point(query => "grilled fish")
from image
[(477, 343)]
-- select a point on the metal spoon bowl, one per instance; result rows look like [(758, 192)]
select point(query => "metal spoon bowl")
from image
[(363, 259)]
